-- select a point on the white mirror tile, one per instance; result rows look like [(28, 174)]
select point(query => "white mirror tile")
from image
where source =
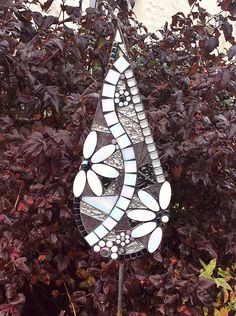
[(108, 90), (101, 231), (117, 213), (108, 105), (128, 153), (109, 223), (91, 239), (146, 131), (141, 215), (104, 203), (156, 163), (144, 123), (130, 166), (103, 153), (131, 82), (118, 37), (148, 200), (165, 195), (158, 170), (154, 155), (105, 170), (123, 141), (127, 191), (155, 240), (129, 73), (151, 147), (136, 99), (111, 118), (121, 64), (112, 76), (161, 178), (117, 130), (143, 230), (149, 140), (134, 90), (90, 144), (79, 183), (94, 183), (139, 107), (141, 115), (123, 203), (130, 179)]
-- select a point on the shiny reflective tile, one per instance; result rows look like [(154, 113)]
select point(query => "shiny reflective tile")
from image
[(117, 130), (117, 213), (108, 90), (91, 239), (130, 179), (111, 118), (128, 153), (121, 64), (112, 77), (123, 141), (130, 166), (123, 203), (108, 105)]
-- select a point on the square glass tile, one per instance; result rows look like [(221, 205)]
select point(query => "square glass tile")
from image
[(127, 191), (128, 153), (91, 239), (160, 178), (108, 105), (123, 203), (118, 37), (117, 213), (123, 141), (136, 99), (156, 163), (141, 115), (149, 139), (134, 90), (138, 107), (112, 76), (130, 179), (144, 123), (121, 64), (131, 82), (129, 73), (108, 90), (109, 223), (158, 170), (111, 118), (117, 130), (101, 231), (130, 166)]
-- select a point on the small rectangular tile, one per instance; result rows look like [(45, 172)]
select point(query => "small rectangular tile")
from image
[(108, 90), (123, 141), (112, 76), (117, 213), (123, 203), (108, 105)]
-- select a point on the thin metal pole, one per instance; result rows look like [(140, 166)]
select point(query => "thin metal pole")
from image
[(120, 288)]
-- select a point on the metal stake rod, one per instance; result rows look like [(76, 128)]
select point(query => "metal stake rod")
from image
[(120, 288)]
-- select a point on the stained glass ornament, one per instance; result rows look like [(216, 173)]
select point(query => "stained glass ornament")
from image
[(121, 194)]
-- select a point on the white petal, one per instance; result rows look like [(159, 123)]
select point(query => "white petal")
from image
[(94, 183), (155, 240), (165, 195), (143, 230), (148, 201), (141, 215), (90, 144), (79, 183), (103, 153), (105, 170)]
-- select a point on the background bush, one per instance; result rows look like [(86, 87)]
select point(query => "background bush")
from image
[(50, 79)]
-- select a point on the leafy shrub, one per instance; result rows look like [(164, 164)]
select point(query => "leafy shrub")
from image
[(50, 78)]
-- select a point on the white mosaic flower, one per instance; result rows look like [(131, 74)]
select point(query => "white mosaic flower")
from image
[(92, 166), (148, 215)]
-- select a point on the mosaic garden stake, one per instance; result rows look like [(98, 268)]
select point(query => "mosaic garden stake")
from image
[(121, 195)]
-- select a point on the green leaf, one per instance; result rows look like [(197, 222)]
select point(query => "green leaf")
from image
[(205, 310), (220, 282), (208, 269), (223, 273)]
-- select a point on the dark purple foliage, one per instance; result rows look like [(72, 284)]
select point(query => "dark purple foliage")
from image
[(50, 78)]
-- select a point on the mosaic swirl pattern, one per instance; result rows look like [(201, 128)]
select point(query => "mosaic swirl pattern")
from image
[(129, 221)]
